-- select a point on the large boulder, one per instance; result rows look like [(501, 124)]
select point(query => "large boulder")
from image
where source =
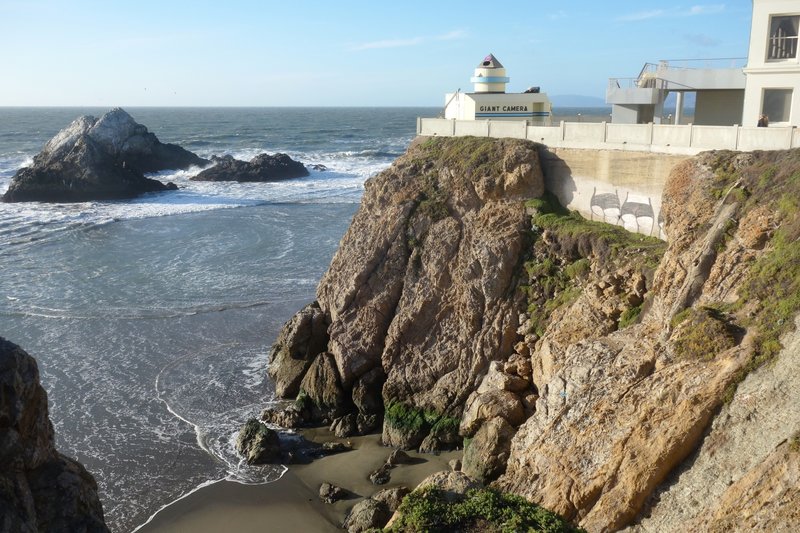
[(366, 515), (258, 443), (40, 489), (263, 167), (98, 159), (486, 456)]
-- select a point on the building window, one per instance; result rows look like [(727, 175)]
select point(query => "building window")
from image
[(777, 104), (783, 32)]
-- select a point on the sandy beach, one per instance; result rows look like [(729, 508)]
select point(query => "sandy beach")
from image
[(293, 501)]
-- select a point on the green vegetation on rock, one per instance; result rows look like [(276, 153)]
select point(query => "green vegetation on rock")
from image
[(769, 297), (629, 316), (701, 333), (557, 268), (430, 510), (410, 419)]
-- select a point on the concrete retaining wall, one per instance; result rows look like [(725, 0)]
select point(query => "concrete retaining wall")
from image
[(617, 187), (657, 138)]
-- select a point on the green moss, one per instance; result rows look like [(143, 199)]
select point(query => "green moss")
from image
[(303, 401), (428, 510), (629, 316), (410, 419)]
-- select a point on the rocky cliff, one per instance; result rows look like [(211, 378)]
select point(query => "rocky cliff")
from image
[(40, 489), (610, 377)]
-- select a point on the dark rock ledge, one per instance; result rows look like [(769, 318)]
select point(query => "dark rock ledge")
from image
[(261, 168)]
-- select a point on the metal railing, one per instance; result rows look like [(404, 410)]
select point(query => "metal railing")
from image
[(782, 48)]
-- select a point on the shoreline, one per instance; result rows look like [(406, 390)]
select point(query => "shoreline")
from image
[(292, 502)]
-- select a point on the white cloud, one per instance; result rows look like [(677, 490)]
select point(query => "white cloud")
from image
[(693, 11), (411, 41), (390, 43), (560, 14), (643, 15), (451, 35)]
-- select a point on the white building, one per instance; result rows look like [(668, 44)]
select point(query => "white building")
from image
[(773, 64), (491, 101), (726, 94)]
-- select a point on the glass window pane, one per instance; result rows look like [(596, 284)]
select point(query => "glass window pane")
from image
[(783, 35), (777, 104)]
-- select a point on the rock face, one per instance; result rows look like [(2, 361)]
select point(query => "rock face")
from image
[(420, 297), (263, 167), (617, 380), (42, 489), (98, 159), (619, 412)]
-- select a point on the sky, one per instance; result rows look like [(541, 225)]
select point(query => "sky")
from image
[(340, 52)]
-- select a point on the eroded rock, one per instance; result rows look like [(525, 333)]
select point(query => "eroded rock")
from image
[(98, 159)]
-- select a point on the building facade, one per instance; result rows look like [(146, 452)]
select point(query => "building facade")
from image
[(773, 64), (489, 99), (766, 83)]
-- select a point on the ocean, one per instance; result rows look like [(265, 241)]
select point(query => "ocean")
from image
[(152, 318)]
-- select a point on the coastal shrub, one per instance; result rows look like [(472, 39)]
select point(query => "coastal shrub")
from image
[(629, 316), (703, 333), (429, 509)]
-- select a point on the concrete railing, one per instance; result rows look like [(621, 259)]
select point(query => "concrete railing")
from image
[(659, 138)]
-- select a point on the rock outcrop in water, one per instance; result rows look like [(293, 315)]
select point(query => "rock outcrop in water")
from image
[(263, 167), (615, 379), (40, 489), (98, 159)]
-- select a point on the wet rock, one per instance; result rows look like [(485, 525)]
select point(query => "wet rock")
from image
[(263, 167), (332, 447), (345, 426), (398, 457), (367, 423), (330, 493), (287, 417), (257, 443), (381, 476)]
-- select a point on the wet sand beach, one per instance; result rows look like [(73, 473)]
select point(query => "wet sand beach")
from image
[(292, 503)]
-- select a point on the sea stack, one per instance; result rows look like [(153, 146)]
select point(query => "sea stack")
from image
[(263, 167), (98, 159)]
